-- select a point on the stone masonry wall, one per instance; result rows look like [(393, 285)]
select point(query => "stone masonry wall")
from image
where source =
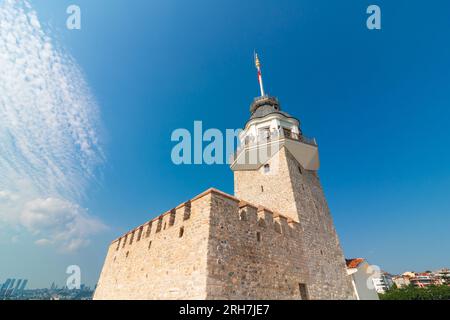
[(329, 277), (253, 253), (219, 247), (162, 261), (297, 193), (271, 190)]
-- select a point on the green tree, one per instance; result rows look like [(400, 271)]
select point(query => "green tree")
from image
[(414, 293)]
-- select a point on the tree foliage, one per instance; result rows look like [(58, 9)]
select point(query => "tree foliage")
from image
[(415, 293)]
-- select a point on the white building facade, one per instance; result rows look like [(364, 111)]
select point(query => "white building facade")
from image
[(362, 281)]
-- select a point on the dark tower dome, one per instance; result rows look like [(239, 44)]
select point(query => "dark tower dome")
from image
[(263, 106)]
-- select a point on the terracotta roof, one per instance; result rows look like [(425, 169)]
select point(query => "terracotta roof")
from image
[(353, 263)]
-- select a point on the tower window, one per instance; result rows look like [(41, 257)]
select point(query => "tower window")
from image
[(264, 133), (303, 291), (277, 227), (149, 245), (258, 236), (243, 215), (300, 169), (181, 232), (266, 168), (262, 189), (287, 133)]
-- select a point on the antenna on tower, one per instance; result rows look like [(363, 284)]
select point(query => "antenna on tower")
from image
[(258, 67)]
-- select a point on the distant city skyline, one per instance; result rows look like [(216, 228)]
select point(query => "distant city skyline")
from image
[(86, 118), (4, 283)]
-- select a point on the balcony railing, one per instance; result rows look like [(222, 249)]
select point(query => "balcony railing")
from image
[(273, 136)]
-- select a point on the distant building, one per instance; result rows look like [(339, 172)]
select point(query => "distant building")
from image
[(443, 275), (409, 274), (359, 270), (383, 282), (22, 287), (4, 288), (10, 289), (401, 281), (16, 288), (424, 279)]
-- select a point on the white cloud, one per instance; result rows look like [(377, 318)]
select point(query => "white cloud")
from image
[(49, 124), (7, 196), (43, 242), (59, 222)]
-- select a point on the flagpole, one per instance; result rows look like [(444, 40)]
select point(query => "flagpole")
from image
[(258, 67)]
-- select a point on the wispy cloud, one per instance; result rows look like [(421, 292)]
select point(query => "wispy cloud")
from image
[(56, 221), (49, 124)]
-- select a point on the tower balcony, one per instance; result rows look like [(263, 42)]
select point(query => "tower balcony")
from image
[(257, 150)]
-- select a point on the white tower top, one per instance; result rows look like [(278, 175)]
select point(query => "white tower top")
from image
[(268, 129)]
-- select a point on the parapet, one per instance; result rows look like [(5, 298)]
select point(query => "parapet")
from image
[(245, 211)]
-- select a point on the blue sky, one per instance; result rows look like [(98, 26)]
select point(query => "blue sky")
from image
[(376, 101)]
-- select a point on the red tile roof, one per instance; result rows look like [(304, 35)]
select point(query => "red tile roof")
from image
[(353, 263)]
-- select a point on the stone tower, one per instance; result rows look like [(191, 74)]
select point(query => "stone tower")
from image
[(276, 167), (274, 239)]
